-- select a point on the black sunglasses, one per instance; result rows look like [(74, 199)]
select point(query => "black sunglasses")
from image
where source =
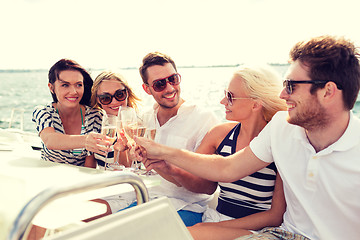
[(119, 95), (289, 84), (160, 84)]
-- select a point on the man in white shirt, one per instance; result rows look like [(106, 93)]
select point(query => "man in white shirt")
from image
[(179, 124), (315, 145)]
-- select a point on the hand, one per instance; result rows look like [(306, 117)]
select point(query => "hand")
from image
[(148, 148), (122, 143), (160, 166), (97, 143), (156, 164)]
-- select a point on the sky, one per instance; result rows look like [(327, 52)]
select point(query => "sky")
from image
[(34, 34)]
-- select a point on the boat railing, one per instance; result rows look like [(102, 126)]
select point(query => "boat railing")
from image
[(12, 120), (22, 223)]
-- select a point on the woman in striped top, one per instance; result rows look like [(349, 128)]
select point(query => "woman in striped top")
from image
[(255, 201), (68, 127), (109, 92)]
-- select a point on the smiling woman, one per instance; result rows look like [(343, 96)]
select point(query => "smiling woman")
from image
[(110, 92), (68, 127)]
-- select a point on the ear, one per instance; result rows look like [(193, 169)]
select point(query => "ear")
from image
[(257, 105), (329, 90), (51, 87), (146, 88)]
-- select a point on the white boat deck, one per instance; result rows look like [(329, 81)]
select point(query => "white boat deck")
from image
[(23, 175)]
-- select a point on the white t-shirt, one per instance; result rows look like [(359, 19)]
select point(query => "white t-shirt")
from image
[(186, 131), (322, 190)]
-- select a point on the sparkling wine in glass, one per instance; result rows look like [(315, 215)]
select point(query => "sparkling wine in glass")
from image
[(108, 128), (129, 124), (147, 125)]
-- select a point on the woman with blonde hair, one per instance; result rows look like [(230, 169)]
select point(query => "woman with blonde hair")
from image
[(255, 201), (131, 100), (109, 92)]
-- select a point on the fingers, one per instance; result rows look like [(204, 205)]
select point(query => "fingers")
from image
[(154, 164), (122, 136), (122, 143), (153, 150), (121, 146), (142, 141), (97, 143), (140, 153)]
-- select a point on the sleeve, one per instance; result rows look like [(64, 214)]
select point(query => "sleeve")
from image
[(209, 121), (94, 121), (261, 145), (42, 118)]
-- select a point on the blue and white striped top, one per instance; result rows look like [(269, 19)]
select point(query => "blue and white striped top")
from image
[(250, 194), (47, 116)]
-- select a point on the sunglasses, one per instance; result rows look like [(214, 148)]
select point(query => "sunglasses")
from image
[(119, 95), (290, 84), (230, 98), (160, 84)]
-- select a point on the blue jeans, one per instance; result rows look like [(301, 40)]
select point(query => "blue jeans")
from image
[(189, 218)]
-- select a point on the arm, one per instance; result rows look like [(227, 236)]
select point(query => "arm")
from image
[(121, 150), (212, 167), (237, 227), (94, 142), (190, 181), (122, 159), (90, 161), (270, 218), (208, 146)]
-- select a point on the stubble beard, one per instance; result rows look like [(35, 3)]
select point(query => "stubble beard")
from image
[(313, 118), (171, 105)]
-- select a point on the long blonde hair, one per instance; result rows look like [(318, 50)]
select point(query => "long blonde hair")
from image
[(263, 83)]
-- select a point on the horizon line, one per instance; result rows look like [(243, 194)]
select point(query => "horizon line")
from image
[(130, 68)]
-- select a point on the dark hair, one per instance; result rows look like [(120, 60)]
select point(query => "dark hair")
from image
[(68, 64), (151, 59), (331, 58)]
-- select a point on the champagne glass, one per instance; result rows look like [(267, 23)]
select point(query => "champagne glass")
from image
[(147, 125), (147, 129), (129, 123), (108, 128)]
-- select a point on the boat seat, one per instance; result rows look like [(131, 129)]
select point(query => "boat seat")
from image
[(156, 219)]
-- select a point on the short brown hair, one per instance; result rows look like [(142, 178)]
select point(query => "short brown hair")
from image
[(151, 59), (331, 58)]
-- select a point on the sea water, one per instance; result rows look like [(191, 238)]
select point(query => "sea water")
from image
[(23, 90)]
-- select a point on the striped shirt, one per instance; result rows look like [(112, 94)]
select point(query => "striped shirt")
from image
[(100, 158), (250, 194), (47, 116)]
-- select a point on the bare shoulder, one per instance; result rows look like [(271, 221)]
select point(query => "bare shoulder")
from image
[(222, 129), (217, 133)]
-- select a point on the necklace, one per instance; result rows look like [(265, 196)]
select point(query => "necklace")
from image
[(82, 120)]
